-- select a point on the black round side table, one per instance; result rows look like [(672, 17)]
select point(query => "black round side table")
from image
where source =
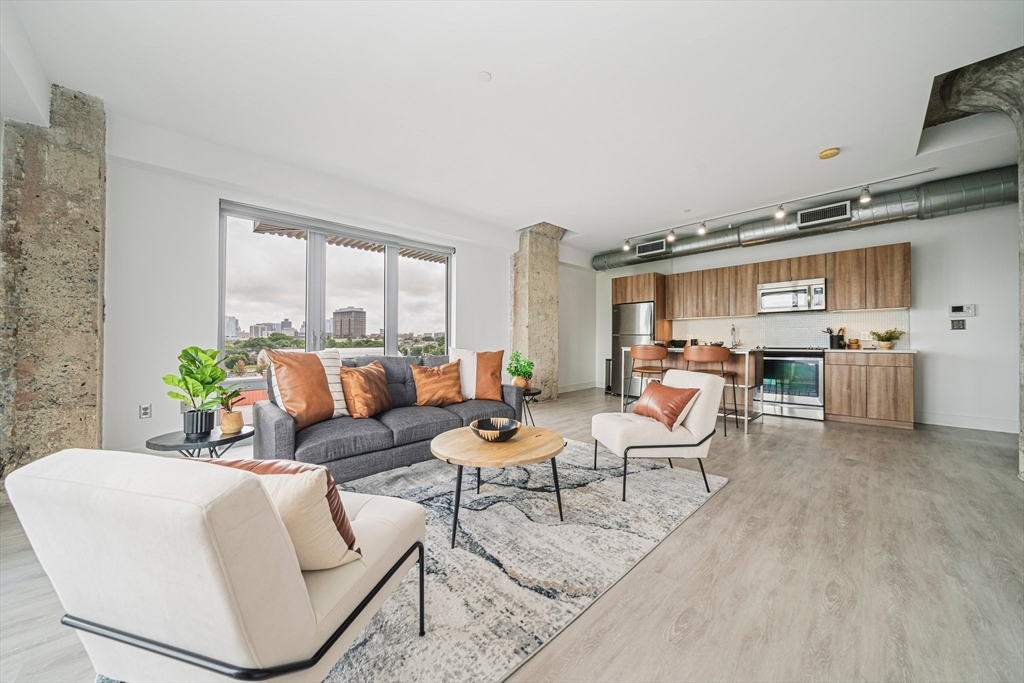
[(529, 396), (216, 442)]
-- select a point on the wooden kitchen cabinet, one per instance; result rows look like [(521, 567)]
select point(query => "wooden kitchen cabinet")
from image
[(634, 289), (743, 290), (773, 271), (887, 276), (845, 273), (870, 388), (807, 267), (683, 294), (715, 293)]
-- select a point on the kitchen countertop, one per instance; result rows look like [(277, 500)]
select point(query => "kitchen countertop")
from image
[(870, 351), (738, 350)]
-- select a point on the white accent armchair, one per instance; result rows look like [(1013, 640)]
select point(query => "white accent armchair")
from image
[(635, 436), (178, 571)]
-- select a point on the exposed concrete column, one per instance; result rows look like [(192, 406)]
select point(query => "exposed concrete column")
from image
[(997, 85), (51, 281), (535, 303)]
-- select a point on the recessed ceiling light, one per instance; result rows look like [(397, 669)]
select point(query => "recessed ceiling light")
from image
[(828, 153), (484, 76), (780, 212), (687, 210), (865, 195)]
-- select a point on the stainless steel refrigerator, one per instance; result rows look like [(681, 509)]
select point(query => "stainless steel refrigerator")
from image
[(631, 324)]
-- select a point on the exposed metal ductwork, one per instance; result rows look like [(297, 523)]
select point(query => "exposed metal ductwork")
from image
[(972, 192)]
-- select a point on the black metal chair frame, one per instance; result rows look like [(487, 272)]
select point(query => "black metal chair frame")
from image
[(238, 672), (625, 459), (725, 411), (632, 371)]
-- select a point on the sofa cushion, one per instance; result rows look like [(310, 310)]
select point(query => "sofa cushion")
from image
[(345, 362), (366, 390), (301, 387), (438, 386), (341, 437), (478, 409), (418, 423), (433, 361), (400, 383)]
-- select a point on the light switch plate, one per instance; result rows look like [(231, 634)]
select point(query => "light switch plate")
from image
[(958, 324)]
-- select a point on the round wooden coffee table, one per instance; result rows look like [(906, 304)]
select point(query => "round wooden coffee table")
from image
[(464, 448)]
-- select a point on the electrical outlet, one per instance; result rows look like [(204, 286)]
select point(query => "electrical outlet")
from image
[(145, 411), (960, 324)]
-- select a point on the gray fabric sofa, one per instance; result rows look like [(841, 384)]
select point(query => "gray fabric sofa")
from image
[(399, 437)]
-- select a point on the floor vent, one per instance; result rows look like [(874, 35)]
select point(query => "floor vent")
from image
[(650, 248), (832, 213)]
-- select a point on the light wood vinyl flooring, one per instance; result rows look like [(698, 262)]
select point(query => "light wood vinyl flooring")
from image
[(836, 552)]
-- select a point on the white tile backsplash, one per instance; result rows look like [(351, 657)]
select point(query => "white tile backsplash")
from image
[(796, 329)]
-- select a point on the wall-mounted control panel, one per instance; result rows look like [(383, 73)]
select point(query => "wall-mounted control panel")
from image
[(962, 311)]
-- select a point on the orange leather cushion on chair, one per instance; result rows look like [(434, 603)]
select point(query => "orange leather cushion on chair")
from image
[(440, 386), (366, 390), (302, 384), (667, 405)]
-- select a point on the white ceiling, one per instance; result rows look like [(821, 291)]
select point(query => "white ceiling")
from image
[(604, 118)]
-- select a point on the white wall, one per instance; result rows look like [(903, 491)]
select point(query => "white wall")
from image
[(963, 378), (577, 295), (162, 259)]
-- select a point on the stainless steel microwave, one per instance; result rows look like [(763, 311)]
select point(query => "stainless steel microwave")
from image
[(799, 295)]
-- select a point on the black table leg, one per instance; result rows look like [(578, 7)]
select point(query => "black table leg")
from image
[(458, 497), (558, 493), (478, 480), (529, 413)]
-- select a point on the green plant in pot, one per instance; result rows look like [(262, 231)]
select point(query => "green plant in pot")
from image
[(198, 383), (231, 421), (520, 368), (888, 338)]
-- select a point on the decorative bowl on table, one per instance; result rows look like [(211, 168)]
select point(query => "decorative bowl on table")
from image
[(495, 429)]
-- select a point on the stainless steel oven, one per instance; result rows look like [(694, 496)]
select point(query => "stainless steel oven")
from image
[(793, 384), (785, 297)]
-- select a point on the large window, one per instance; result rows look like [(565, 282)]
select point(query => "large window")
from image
[(293, 283)]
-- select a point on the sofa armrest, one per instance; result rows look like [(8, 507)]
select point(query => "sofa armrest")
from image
[(275, 432), (513, 396)]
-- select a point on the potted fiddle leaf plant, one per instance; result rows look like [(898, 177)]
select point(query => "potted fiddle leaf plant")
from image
[(198, 382), (520, 368), (231, 421), (888, 338)]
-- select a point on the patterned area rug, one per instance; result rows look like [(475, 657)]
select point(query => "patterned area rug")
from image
[(517, 576)]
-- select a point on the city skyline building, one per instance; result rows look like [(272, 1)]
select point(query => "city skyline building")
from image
[(349, 322)]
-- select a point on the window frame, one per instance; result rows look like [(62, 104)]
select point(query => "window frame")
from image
[(316, 270)]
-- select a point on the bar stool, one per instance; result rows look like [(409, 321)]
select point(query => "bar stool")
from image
[(716, 354), (646, 353)]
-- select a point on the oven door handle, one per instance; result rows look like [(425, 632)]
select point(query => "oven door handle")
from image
[(808, 359)]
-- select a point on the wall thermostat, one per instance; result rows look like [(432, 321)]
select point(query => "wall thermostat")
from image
[(962, 311)]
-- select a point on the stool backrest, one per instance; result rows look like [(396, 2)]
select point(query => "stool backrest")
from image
[(706, 354), (648, 352)]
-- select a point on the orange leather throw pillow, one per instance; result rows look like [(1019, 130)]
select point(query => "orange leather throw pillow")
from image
[(664, 404), (302, 383), (366, 390), (440, 386), (488, 375)]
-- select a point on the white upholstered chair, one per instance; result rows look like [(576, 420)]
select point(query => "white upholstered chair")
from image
[(174, 570), (635, 436)]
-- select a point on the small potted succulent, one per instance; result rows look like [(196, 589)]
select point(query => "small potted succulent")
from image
[(230, 421), (520, 368), (198, 381), (888, 338)]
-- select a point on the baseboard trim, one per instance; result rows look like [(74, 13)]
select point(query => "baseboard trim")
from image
[(566, 388), (987, 424)]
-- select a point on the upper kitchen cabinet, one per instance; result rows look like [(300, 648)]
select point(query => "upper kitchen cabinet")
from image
[(807, 267), (715, 293), (845, 273), (684, 294), (774, 271), (635, 288), (743, 289), (887, 276)]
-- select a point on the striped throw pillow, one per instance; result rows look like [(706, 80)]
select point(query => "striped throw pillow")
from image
[(331, 360)]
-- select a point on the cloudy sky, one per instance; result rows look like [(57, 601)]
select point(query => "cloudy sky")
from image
[(266, 282)]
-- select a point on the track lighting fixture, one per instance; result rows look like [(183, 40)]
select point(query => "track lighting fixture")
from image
[(703, 228), (865, 195), (625, 245), (780, 212), (671, 235)]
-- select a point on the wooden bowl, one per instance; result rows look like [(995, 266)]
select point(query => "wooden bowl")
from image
[(495, 429)]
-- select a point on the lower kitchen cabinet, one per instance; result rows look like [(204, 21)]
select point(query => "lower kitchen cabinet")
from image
[(870, 388)]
